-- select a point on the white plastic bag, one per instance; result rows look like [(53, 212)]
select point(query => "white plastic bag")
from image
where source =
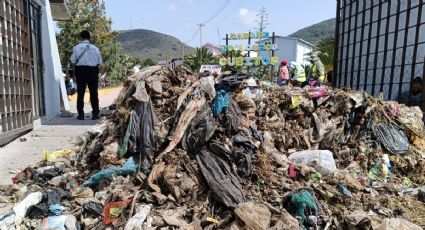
[(135, 222), (21, 209), (321, 160), (208, 86)]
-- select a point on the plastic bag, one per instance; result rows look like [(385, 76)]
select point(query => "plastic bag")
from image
[(397, 224), (123, 145), (52, 156), (135, 222), (208, 86), (221, 102), (255, 216), (57, 209), (93, 209), (65, 222), (142, 139), (21, 209), (392, 138), (129, 167), (321, 160), (200, 131), (224, 184), (113, 210)]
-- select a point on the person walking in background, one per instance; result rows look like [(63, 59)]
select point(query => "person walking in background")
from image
[(87, 61), (283, 77)]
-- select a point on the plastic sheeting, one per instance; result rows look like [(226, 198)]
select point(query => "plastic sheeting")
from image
[(142, 140), (220, 178), (392, 138), (199, 131)]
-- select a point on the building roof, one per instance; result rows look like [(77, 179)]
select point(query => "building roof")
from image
[(284, 37), (212, 45)]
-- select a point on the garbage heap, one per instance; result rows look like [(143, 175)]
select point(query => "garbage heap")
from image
[(185, 152)]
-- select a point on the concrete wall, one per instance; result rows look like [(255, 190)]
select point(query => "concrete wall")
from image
[(54, 85)]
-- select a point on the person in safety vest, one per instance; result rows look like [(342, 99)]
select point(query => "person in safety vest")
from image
[(283, 76), (317, 72), (297, 74)]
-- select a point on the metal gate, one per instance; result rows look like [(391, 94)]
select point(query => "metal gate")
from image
[(15, 72), (380, 46)]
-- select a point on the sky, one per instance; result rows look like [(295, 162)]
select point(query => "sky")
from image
[(179, 18)]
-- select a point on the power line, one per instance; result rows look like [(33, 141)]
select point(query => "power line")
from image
[(217, 12), (230, 13), (193, 36)]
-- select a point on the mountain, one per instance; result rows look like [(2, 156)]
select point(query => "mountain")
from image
[(316, 32), (146, 44)]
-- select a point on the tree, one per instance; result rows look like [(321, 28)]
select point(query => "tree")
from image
[(90, 15), (325, 52), (262, 20), (148, 62), (201, 57)]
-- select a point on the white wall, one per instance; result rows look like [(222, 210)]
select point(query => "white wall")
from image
[(54, 85), (290, 49), (302, 50)]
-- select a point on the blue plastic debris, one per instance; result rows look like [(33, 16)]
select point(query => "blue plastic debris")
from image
[(129, 167)]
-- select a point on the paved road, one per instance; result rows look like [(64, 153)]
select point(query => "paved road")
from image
[(54, 135)]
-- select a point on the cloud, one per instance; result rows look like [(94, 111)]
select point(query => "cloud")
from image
[(247, 17), (171, 7)]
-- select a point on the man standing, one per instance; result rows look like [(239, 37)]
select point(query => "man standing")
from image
[(87, 61)]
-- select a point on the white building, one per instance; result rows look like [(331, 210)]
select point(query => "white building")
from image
[(31, 81), (291, 49), (214, 49)]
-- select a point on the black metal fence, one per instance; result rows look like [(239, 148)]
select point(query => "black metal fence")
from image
[(380, 46), (15, 72)]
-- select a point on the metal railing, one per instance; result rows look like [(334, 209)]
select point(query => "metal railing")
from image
[(15, 72), (380, 46)]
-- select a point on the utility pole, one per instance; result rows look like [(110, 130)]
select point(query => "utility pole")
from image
[(262, 20), (200, 25), (131, 23), (200, 41)]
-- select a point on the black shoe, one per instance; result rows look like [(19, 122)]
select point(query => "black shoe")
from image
[(95, 117), (80, 117)]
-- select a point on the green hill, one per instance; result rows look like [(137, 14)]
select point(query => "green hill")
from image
[(145, 44), (316, 32)]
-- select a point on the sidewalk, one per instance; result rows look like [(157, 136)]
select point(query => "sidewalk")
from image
[(53, 135)]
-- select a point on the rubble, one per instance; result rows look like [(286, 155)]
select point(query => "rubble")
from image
[(179, 152)]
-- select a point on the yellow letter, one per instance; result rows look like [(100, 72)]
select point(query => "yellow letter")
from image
[(239, 61), (223, 61), (274, 60)]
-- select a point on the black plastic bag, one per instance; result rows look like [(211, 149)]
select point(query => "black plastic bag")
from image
[(93, 209), (55, 196), (232, 117), (38, 211), (142, 140), (200, 131), (223, 183), (243, 152), (392, 138)]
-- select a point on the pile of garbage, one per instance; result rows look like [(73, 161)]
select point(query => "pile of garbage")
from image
[(186, 152)]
